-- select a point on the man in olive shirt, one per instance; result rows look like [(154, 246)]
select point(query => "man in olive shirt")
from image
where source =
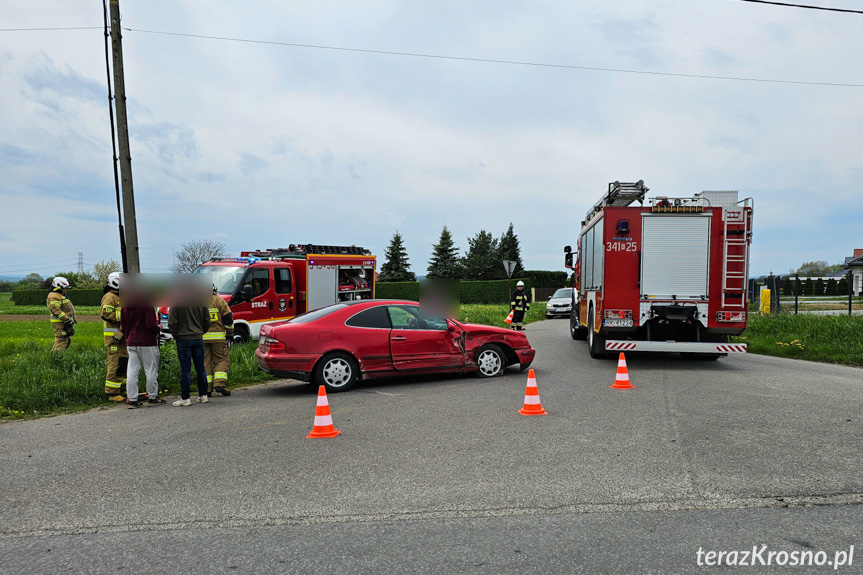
[(188, 324)]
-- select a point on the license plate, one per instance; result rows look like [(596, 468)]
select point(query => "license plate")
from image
[(618, 323)]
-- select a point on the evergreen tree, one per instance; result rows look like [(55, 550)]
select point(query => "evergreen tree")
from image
[(397, 268), (832, 287), (482, 261), (842, 286), (511, 250), (818, 287), (445, 262)]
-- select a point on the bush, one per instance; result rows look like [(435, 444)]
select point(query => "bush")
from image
[(495, 291), (398, 290), (546, 279), (470, 292), (79, 297)]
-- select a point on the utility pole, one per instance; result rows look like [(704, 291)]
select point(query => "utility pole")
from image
[(130, 223)]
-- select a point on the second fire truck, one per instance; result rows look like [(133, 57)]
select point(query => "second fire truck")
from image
[(666, 276), (265, 286)]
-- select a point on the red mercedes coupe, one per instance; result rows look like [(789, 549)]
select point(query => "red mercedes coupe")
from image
[(336, 345)]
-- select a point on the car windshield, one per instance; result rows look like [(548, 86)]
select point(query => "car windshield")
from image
[(562, 293), (225, 278), (317, 314)]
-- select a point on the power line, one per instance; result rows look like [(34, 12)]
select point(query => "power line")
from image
[(35, 265), (491, 61), (804, 6), (49, 29)]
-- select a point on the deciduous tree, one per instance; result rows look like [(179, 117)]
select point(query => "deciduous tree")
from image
[(194, 253), (482, 260)]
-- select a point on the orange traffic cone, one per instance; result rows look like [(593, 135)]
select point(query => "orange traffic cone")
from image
[(508, 319), (621, 381), (323, 426), (532, 405)]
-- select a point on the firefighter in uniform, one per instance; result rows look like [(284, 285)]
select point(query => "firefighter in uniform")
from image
[(217, 358), (118, 356), (519, 303), (62, 314)]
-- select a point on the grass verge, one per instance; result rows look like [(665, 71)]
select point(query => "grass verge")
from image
[(34, 381), (830, 339)]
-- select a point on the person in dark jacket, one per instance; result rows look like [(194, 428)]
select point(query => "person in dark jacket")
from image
[(140, 326), (188, 324), (519, 304)]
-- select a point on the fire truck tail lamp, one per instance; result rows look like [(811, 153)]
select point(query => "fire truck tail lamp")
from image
[(736, 316)]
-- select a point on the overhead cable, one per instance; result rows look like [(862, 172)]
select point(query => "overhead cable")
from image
[(492, 61), (786, 4)]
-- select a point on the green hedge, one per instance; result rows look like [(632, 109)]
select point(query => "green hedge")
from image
[(546, 279), (398, 290), (496, 291), (487, 292), (39, 296)]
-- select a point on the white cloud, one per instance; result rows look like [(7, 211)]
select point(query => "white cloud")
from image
[(264, 145)]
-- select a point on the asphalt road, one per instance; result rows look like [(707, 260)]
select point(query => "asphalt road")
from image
[(443, 475)]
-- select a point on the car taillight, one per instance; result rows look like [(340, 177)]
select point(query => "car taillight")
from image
[(731, 316), (268, 343)]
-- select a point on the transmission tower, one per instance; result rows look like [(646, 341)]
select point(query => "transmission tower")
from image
[(81, 263)]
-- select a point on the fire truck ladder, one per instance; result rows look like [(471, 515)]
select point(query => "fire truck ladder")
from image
[(735, 267), (620, 194)]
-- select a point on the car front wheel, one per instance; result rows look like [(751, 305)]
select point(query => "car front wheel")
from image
[(491, 361), (337, 372)]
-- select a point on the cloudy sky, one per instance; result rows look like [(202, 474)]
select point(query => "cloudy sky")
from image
[(261, 144)]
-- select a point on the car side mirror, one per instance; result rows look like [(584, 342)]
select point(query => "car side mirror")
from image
[(549, 297), (246, 293)]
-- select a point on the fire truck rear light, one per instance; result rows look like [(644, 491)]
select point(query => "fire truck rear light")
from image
[(618, 314), (731, 316)]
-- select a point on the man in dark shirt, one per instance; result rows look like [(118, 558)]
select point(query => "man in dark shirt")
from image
[(188, 324), (140, 327)]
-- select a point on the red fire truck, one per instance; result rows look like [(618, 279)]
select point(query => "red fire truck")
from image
[(266, 286), (668, 276)]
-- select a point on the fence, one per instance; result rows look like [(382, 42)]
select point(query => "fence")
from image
[(816, 291)]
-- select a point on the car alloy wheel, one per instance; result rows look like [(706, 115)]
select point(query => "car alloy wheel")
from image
[(491, 361), (337, 372)]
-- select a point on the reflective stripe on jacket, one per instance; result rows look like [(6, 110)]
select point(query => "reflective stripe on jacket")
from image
[(60, 307)]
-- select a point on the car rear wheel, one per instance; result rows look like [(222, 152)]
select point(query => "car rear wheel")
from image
[(337, 372), (491, 361)]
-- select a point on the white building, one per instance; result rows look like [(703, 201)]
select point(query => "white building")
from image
[(855, 264)]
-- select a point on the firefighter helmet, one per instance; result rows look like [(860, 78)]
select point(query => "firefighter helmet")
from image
[(215, 289), (60, 282), (519, 284), (114, 280)]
